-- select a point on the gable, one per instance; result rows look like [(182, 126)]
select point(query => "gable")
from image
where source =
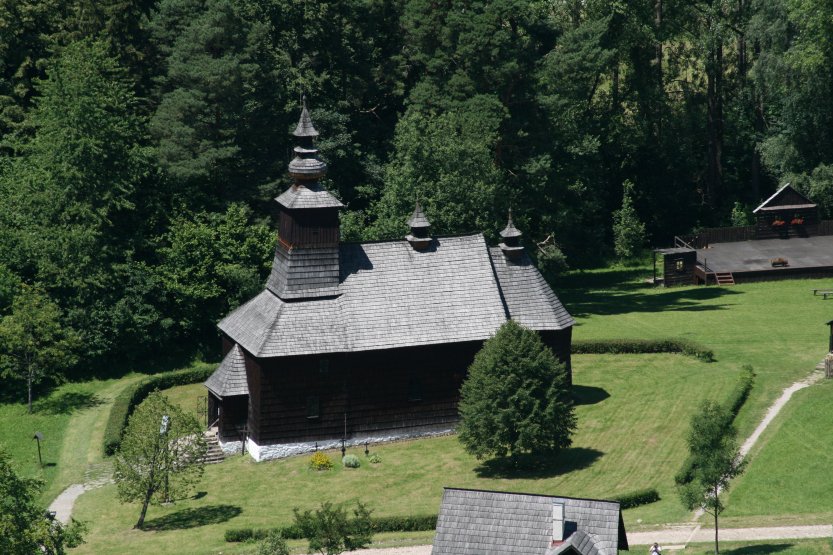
[(785, 198)]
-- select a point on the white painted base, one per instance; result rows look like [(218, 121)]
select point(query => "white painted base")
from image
[(281, 450), (231, 447)]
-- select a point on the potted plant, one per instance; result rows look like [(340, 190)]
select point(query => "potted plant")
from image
[(797, 220), (778, 222)]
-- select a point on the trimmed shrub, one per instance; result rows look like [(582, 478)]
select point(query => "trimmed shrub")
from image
[(642, 346), (733, 404), (637, 498), (416, 523), (351, 461), (128, 399), (320, 461), (374, 458)]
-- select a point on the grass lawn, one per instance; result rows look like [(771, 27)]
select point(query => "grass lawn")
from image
[(790, 474), (69, 451), (777, 327), (628, 439)]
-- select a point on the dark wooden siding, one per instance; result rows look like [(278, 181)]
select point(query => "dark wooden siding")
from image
[(672, 276), (377, 391), (309, 227), (765, 230)]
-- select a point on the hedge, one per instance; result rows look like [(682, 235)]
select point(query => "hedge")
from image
[(637, 498), (733, 403), (127, 400), (418, 523), (641, 346)]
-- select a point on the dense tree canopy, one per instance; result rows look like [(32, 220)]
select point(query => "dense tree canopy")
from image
[(129, 127), (516, 397)]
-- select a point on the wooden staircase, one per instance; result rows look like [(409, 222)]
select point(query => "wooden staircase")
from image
[(724, 278), (215, 453)]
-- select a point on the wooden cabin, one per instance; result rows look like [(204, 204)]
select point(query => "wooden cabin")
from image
[(360, 342), (787, 213)]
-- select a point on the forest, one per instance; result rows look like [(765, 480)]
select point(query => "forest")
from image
[(141, 142)]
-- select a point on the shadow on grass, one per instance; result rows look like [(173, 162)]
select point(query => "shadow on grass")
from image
[(192, 518), (538, 466), (606, 303), (67, 403), (758, 549), (588, 395), (622, 279)]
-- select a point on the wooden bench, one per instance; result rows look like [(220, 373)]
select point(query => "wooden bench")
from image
[(824, 293)]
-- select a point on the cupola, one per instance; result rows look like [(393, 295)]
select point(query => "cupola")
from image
[(511, 245), (420, 236)]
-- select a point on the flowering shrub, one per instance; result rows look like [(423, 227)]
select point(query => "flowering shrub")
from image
[(374, 458), (320, 461)]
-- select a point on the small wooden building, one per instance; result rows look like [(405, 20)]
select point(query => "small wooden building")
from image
[(787, 213), (366, 341), (678, 265)]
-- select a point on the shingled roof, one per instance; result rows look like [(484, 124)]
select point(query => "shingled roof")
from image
[(474, 522), (230, 377), (392, 296)]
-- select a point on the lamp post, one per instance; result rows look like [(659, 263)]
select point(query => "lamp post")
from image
[(163, 431), (38, 437)]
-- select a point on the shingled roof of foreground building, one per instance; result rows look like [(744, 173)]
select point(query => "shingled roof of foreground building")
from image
[(389, 296), (477, 522)]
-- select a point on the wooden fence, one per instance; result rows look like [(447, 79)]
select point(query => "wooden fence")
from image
[(710, 235)]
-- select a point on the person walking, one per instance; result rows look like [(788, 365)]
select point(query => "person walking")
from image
[(655, 549)]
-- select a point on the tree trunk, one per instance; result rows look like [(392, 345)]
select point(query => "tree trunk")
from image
[(714, 177), (716, 548), (658, 68), (29, 386), (148, 495)]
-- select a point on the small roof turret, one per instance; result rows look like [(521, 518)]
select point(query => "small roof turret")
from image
[(420, 236), (511, 235), (510, 230), (305, 127)]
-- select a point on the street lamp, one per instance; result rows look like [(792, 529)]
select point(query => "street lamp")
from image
[(38, 437)]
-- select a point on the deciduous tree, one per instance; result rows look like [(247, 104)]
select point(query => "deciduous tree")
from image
[(330, 531), (161, 454), (716, 457), (25, 528), (33, 343)]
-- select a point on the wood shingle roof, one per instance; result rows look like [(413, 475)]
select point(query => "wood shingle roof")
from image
[(473, 522), (230, 377), (390, 295)]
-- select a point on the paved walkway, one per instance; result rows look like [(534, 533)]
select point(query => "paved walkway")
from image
[(63, 504)]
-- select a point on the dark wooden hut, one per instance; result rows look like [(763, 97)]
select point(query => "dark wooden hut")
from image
[(366, 341), (787, 213)]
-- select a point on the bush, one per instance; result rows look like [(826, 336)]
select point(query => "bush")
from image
[(637, 498), (351, 461), (416, 523), (128, 399), (733, 404), (642, 346), (374, 458), (320, 461)]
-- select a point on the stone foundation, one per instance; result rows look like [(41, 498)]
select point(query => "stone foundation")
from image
[(231, 447), (281, 450)]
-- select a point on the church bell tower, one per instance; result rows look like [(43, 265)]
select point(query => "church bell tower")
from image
[(306, 264)]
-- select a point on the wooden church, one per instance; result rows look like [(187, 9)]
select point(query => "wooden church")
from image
[(360, 342)]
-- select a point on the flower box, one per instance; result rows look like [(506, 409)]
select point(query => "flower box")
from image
[(779, 262)]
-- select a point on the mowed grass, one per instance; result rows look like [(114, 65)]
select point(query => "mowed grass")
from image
[(791, 473), (778, 327), (633, 414), (67, 451)]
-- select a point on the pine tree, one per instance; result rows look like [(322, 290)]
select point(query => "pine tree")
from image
[(628, 231)]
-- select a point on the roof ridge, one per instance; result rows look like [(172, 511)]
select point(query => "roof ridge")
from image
[(530, 494), (402, 240)]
